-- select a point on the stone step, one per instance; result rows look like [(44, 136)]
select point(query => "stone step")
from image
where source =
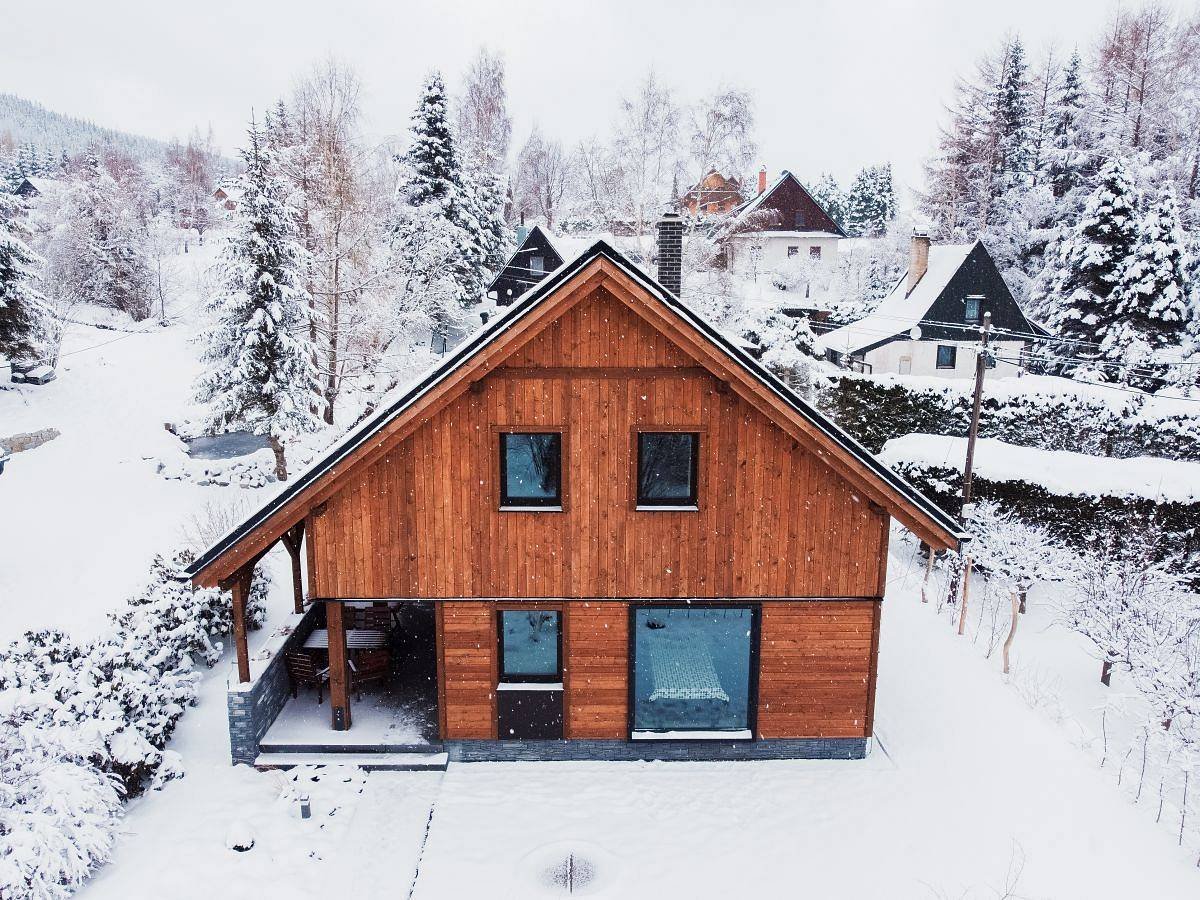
[(278, 747), (383, 762)]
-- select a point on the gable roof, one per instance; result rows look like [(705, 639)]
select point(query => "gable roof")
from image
[(899, 311), (786, 178), (601, 264)]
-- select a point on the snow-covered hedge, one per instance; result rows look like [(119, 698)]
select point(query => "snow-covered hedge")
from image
[(119, 699), (1021, 412)]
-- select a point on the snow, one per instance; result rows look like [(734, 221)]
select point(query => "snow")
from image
[(379, 718), (898, 311), (974, 780), (1059, 471)]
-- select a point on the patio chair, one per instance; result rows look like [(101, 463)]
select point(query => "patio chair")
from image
[(374, 618), (369, 665), (302, 668)]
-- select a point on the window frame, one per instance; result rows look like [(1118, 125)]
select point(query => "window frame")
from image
[(636, 501), (752, 688), (953, 356), (528, 505), (814, 252), (978, 318), (503, 677), (540, 268), (793, 250)]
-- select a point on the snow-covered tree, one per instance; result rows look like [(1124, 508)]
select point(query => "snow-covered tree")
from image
[(1152, 298), (1068, 155), (59, 814), (544, 174), (260, 374), (787, 343), (432, 184), (871, 202), (832, 198), (21, 304), (1091, 260)]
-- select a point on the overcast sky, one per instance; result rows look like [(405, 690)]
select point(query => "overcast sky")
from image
[(839, 84)]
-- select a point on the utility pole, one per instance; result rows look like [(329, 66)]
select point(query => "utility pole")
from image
[(981, 359)]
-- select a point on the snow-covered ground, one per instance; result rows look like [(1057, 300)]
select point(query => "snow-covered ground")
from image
[(977, 786)]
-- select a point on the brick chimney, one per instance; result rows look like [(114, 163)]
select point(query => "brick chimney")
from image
[(918, 259), (762, 179), (670, 252)]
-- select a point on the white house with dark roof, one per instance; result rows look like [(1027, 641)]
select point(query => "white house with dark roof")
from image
[(783, 221), (929, 323)]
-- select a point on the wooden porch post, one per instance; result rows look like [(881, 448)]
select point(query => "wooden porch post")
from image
[(240, 588), (339, 670), (292, 539)]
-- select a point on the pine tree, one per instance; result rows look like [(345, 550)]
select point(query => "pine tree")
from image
[(1012, 134), (1067, 156), (260, 375), (1092, 259), (1151, 299), (20, 302), (831, 197), (432, 184), (871, 203)]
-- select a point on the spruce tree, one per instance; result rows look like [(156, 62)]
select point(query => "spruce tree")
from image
[(871, 203), (831, 197), (20, 302), (1092, 259), (432, 183), (260, 372), (1011, 124), (1067, 154), (1151, 299)]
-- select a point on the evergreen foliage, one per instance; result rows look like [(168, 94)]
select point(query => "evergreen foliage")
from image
[(21, 304), (832, 198), (260, 373), (871, 202)]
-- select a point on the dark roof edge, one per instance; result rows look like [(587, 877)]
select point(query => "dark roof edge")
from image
[(363, 432)]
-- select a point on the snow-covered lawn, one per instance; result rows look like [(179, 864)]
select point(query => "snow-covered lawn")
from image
[(972, 791)]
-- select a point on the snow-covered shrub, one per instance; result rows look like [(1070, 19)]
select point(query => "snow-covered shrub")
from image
[(58, 812), (254, 470)]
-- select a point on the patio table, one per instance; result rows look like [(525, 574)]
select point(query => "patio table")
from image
[(356, 639)]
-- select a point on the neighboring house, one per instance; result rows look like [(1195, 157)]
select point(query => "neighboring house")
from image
[(629, 540), (929, 323), (534, 258), (781, 223), (714, 195), (34, 186), (227, 198)]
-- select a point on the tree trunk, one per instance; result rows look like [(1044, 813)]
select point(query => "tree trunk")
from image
[(928, 572), (1106, 672), (1022, 596), (280, 459), (1012, 629), (966, 587)]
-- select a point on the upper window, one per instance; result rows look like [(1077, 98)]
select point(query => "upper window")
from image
[(537, 264), (799, 221), (947, 356), (814, 252), (531, 469), (667, 468), (529, 645), (793, 251), (971, 310)]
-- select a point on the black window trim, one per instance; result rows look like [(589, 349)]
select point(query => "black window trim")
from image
[(643, 504), (503, 677), (528, 504), (755, 664), (978, 318), (953, 356)]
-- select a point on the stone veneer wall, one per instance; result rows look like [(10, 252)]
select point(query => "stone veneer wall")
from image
[(782, 748), (253, 707)]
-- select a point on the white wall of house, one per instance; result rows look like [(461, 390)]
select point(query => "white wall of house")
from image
[(920, 358), (775, 246)]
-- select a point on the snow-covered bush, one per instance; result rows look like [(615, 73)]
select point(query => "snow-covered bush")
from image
[(58, 812), (254, 470)]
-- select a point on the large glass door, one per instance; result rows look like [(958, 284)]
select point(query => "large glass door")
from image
[(693, 672), (529, 702)]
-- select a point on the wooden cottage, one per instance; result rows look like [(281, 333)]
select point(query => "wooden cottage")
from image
[(633, 540), (535, 257)]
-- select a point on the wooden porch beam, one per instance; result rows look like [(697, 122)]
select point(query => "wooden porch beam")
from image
[(240, 589), (339, 666), (292, 539)]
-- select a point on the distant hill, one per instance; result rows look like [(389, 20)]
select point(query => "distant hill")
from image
[(28, 122)]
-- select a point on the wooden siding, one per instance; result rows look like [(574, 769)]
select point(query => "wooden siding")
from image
[(423, 520), (467, 670), (597, 670), (816, 676)]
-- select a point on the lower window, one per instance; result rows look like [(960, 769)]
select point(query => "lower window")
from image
[(947, 356), (530, 645), (692, 671)]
